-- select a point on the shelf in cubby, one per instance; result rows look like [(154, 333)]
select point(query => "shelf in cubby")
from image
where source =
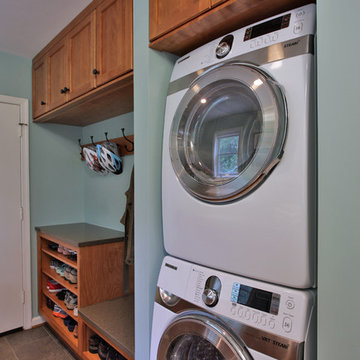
[(60, 257), (59, 324), (59, 302), (89, 356), (53, 275)]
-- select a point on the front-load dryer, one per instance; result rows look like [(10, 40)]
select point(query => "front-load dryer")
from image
[(239, 153), (201, 313)]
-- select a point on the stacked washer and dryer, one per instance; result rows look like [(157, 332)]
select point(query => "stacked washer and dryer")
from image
[(239, 198)]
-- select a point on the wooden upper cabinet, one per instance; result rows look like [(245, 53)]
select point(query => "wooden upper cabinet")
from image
[(216, 2), (113, 39), (165, 15), (81, 52), (57, 73), (40, 105)]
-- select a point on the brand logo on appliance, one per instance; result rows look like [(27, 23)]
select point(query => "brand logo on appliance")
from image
[(293, 43), (275, 342)]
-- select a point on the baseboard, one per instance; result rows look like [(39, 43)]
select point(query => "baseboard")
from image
[(36, 321)]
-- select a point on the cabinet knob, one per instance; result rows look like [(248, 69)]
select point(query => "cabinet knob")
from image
[(42, 103), (96, 72)]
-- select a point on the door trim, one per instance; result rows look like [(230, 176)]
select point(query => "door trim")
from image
[(25, 196)]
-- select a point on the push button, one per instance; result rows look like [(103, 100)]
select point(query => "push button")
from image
[(298, 27), (290, 304), (287, 324)]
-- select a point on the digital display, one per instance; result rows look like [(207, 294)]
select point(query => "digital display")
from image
[(256, 298), (267, 27)]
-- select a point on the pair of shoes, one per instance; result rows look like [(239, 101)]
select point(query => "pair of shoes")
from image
[(70, 300), (66, 251), (94, 342), (52, 246), (58, 312), (61, 295), (60, 269), (70, 323), (54, 286), (73, 276), (54, 264), (50, 304), (70, 274)]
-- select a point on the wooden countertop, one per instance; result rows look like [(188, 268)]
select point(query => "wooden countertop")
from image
[(81, 234), (114, 319)]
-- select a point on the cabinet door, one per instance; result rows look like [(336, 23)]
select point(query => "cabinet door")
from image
[(81, 47), (166, 15), (113, 39), (57, 74), (40, 105)]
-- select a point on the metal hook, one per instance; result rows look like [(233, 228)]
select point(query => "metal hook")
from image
[(106, 137), (131, 142), (92, 140)]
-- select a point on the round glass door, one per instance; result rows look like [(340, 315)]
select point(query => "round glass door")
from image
[(228, 132), (197, 336)]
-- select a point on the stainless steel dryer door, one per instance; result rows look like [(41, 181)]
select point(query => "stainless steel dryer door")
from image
[(228, 132), (196, 336)]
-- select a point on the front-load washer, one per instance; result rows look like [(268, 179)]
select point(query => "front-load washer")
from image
[(201, 313), (239, 153)]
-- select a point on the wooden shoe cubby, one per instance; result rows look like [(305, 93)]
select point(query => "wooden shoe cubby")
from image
[(101, 273)]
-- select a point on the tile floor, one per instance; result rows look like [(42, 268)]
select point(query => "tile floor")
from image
[(35, 344)]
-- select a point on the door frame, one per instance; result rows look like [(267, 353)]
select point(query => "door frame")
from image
[(25, 203)]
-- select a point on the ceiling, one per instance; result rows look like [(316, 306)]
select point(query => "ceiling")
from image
[(26, 26)]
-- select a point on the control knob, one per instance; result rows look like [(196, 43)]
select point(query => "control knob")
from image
[(210, 297)]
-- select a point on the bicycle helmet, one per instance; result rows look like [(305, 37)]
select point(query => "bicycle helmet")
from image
[(92, 161), (108, 155)]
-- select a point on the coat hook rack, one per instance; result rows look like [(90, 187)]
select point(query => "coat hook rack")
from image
[(131, 142)]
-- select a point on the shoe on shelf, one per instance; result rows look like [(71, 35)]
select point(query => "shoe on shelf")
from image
[(58, 312), (61, 295), (53, 246), (94, 342), (67, 271), (60, 249), (71, 301), (50, 304), (76, 310), (73, 276), (66, 251), (71, 325), (54, 286), (103, 350), (67, 320), (76, 331), (54, 264)]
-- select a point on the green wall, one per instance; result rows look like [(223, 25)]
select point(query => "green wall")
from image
[(152, 73), (339, 175)]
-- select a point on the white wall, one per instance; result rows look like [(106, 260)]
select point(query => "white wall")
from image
[(339, 180)]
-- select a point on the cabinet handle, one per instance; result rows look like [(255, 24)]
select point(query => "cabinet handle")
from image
[(42, 103), (64, 90), (96, 72)]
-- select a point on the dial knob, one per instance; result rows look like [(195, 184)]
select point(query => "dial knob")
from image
[(222, 49), (210, 297)]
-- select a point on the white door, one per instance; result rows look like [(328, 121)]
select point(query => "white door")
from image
[(11, 257)]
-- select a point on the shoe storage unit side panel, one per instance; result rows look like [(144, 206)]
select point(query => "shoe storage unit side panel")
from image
[(46, 274), (101, 275)]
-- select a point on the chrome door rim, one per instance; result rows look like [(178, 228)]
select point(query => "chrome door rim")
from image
[(274, 116), (208, 328)]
